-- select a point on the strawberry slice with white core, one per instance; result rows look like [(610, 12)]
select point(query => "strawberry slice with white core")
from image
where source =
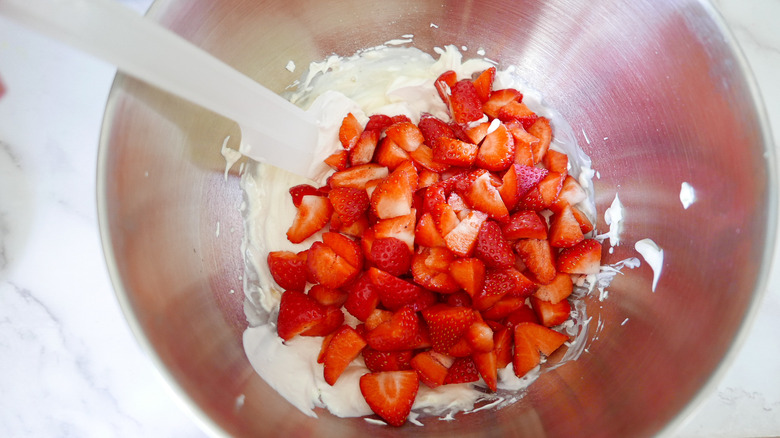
[(390, 394), (328, 268), (498, 99), (358, 176), (349, 132), (401, 228), (565, 231), (430, 269), (482, 195), (394, 195), (538, 257), (312, 215), (364, 149), (389, 154), (497, 150), (431, 367), (462, 239), (582, 258), (406, 135)]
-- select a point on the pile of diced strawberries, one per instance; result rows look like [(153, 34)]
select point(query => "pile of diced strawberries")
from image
[(455, 243)]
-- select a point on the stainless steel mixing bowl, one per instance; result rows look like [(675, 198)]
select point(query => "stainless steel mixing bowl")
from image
[(657, 95)]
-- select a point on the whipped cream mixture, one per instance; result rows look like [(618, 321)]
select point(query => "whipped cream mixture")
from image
[(391, 81)]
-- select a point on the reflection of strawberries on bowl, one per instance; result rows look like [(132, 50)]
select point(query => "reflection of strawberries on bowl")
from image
[(162, 194)]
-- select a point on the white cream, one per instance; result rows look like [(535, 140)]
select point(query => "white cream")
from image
[(613, 217), (401, 82), (687, 195), (653, 255)]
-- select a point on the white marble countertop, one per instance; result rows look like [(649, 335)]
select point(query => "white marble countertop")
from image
[(67, 371)]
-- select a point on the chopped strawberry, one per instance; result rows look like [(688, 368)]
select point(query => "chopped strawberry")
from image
[(519, 111), (327, 296), (430, 268), (482, 195), (461, 349), (525, 143), (550, 314), (558, 290), (445, 218), (377, 317), (338, 160), (397, 334), (458, 299), (377, 361), (530, 340), (363, 151), (334, 318), (297, 313), (502, 339), (426, 233), (328, 267), (462, 239), (378, 122), (556, 161), (503, 308), (487, 366), (391, 255), (406, 135), (349, 203), (497, 150), (349, 132), (469, 273), (525, 224), (454, 152), (480, 336), (324, 347), (423, 157), (528, 177), (571, 193), (447, 325), (431, 367), (538, 257), (500, 283), (492, 248), (394, 293), (358, 176), (463, 370), (541, 129), (484, 84), (394, 195), (498, 99), (585, 224), (582, 258), (400, 118), (401, 227), (465, 105), (522, 314), (390, 394), (298, 192), (427, 178), (509, 188), (362, 298), (476, 134), (444, 84), (344, 247), (544, 194), (288, 269), (433, 128), (565, 231), (389, 154), (312, 216), (345, 345)]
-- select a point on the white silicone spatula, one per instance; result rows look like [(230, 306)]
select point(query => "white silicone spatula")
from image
[(273, 130)]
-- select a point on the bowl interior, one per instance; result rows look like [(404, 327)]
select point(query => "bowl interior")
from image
[(657, 97)]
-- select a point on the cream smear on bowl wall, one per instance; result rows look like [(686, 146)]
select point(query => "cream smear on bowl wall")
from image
[(401, 82)]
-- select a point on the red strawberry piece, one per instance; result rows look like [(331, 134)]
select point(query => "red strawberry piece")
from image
[(327, 296), (509, 188), (517, 111), (557, 291), (423, 157), (390, 394), (544, 194), (476, 134), (582, 258), (444, 84), (324, 347), (400, 118), (458, 299), (492, 248), (396, 334), (500, 283), (297, 313), (503, 340), (523, 314), (469, 273), (358, 176), (288, 269), (377, 361), (585, 224), (401, 227), (461, 349), (430, 268), (431, 367), (447, 325), (454, 152), (484, 84), (328, 267), (556, 161), (538, 257), (363, 151), (433, 128), (497, 150), (550, 314), (482, 195), (334, 318), (426, 233), (435, 195), (565, 231), (312, 215), (391, 255), (389, 154), (462, 239), (503, 308), (349, 132), (487, 366), (445, 218), (345, 345), (480, 336), (394, 195), (349, 203), (378, 122), (406, 135), (571, 193), (465, 105), (345, 247), (426, 178), (525, 224), (525, 143), (338, 160), (377, 317), (530, 340), (298, 192), (542, 130), (498, 99), (463, 370), (528, 177), (362, 298), (394, 293)]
